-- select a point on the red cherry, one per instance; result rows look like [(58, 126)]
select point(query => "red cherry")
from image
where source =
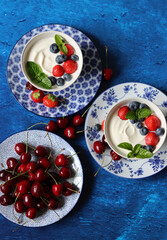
[(6, 200), (18, 195), (11, 163), (31, 167), (21, 168), (37, 189), (69, 132), (66, 189), (114, 155), (65, 172), (20, 207), (31, 176), (53, 204), (39, 175), (20, 148), (28, 200), (61, 160), (25, 157), (51, 127), (23, 186), (44, 163), (78, 120), (108, 73), (47, 192), (30, 87), (63, 122), (6, 188), (99, 147), (57, 189), (31, 212), (9, 178), (3, 174), (40, 151), (40, 204)]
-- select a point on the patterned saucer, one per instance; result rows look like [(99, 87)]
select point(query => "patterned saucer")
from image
[(138, 168), (78, 95)]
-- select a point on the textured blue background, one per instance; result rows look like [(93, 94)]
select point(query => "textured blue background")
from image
[(136, 33)]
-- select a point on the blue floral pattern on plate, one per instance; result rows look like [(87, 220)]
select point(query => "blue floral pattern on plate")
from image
[(138, 168), (89, 80)]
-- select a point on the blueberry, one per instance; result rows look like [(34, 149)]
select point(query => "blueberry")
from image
[(143, 146), (53, 80), (67, 77), (143, 105), (142, 119), (133, 121), (61, 58), (143, 131), (149, 148), (74, 57), (97, 127), (54, 48), (134, 105), (139, 125), (160, 131), (60, 81)]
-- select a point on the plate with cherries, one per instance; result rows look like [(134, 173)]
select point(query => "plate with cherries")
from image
[(41, 178)]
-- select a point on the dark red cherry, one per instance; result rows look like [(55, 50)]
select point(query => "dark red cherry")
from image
[(10, 179), (53, 204), (25, 157), (28, 200), (99, 147), (65, 172), (20, 148), (37, 189), (21, 168), (30, 87), (47, 192), (31, 176), (39, 175), (3, 174), (18, 195), (31, 212), (62, 122), (6, 188), (40, 204), (44, 163), (31, 167), (114, 155), (51, 127), (6, 200), (108, 73), (57, 189), (20, 207), (78, 120), (41, 151), (11, 163), (61, 160), (67, 189), (23, 186), (69, 132)]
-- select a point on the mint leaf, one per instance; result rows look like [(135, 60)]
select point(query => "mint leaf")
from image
[(131, 115), (58, 40), (130, 155), (144, 112), (63, 49), (143, 153), (32, 69), (126, 145), (136, 149)]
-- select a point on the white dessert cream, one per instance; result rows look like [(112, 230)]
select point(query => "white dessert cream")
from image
[(40, 54)]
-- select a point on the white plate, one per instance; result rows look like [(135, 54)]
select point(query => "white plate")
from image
[(138, 168), (37, 137)]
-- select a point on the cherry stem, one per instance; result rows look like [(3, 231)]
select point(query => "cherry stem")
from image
[(99, 167), (5, 168), (72, 190), (87, 110), (106, 57), (82, 131), (21, 225), (45, 201), (13, 209), (51, 145), (14, 177), (13, 172), (60, 151), (36, 125), (52, 177), (30, 146), (73, 155)]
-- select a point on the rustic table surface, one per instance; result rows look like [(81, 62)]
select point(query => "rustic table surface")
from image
[(109, 207)]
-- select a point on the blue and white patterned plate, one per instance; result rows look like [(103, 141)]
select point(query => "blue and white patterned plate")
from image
[(35, 138), (138, 168), (78, 95)]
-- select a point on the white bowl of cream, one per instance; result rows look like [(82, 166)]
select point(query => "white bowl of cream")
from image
[(118, 131), (38, 50)]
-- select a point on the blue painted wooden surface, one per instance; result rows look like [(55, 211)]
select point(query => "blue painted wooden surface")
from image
[(136, 33)]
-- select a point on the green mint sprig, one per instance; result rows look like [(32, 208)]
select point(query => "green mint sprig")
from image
[(61, 44), (137, 151), (36, 75), (138, 114)]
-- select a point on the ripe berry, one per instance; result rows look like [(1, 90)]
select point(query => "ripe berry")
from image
[(6, 188), (52, 204), (114, 155), (60, 81), (70, 66), (160, 131), (37, 96), (31, 212), (134, 105), (108, 73), (54, 48), (61, 160), (78, 120), (20, 148), (40, 204), (65, 172), (74, 57), (53, 80), (99, 147), (30, 87), (67, 77), (70, 50), (122, 112), (61, 58), (143, 131), (57, 71), (40, 151), (66, 189), (62, 122), (3, 174), (28, 200), (152, 139), (44, 163), (11, 163), (23, 186), (37, 189), (69, 132), (31, 167), (21, 168), (31, 176), (39, 175), (6, 200), (57, 189), (152, 122), (20, 207), (25, 157), (18, 195), (149, 148), (52, 126), (138, 125)]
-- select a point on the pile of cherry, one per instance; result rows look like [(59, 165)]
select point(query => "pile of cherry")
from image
[(35, 185)]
